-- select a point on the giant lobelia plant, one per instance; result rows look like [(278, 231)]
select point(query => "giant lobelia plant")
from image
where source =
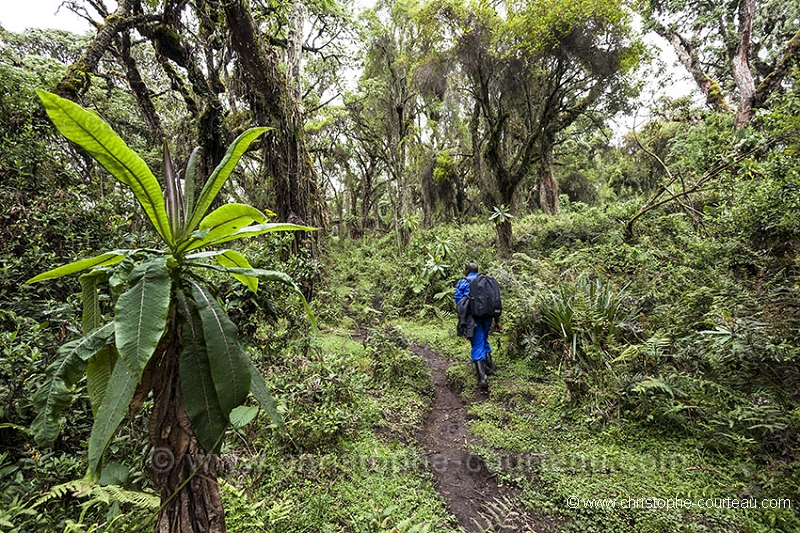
[(169, 335)]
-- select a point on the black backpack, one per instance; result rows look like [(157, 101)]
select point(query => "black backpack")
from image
[(484, 295)]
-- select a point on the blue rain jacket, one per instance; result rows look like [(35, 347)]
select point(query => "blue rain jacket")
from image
[(479, 328)]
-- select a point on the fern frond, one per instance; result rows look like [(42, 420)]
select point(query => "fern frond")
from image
[(75, 486), (110, 494), (654, 384)]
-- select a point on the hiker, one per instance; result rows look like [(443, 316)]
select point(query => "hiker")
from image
[(475, 318)]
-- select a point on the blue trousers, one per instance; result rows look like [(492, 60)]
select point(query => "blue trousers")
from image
[(480, 340)]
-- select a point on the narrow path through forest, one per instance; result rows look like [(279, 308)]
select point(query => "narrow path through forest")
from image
[(469, 488)]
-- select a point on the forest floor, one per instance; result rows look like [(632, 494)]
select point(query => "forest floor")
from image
[(471, 491)]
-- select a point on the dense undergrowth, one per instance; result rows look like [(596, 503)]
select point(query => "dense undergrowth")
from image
[(640, 370), (660, 367), (630, 369)]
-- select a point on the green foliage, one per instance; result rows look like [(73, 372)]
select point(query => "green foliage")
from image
[(392, 364), (96, 137), (124, 508), (445, 170), (586, 319), (43, 196), (352, 406), (348, 401), (661, 365), (694, 344), (571, 458), (318, 398), (436, 266), (543, 24), (145, 311), (764, 197), (62, 376)]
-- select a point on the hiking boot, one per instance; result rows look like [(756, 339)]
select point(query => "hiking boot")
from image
[(480, 370), (490, 368)]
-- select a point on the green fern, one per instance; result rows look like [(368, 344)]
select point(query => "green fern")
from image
[(650, 353), (111, 497), (521, 259), (657, 385), (385, 520), (114, 494), (57, 492), (13, 512)]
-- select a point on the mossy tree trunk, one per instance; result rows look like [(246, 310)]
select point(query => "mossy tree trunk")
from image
[(506, 180), (504, 235), (548, 186), (286, 163)]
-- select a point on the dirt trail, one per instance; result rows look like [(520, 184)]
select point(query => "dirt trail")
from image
[(470, 489)]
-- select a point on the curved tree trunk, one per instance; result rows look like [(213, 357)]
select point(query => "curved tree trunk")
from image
[(201, 93), (773, 80), (428, 189), (294, 53), (78, 77), (185, 478), (548, 191), (139, 88), (689, 59), (366, 198)]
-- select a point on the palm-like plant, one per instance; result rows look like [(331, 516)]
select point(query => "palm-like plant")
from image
[(169, 335), (501, 214)]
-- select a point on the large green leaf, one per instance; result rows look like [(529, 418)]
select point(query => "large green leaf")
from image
[(91, 133), (259, 390), (189, 180), (106, 259), (197, 385), (227, 259), (227, 359), (233, 259), (222, 222), (259, 229), (265, 275), (91, 317), (140, 315), (110, 413), (98, 374), (221, 174), (53, 397), (56, 393), (173, 195)]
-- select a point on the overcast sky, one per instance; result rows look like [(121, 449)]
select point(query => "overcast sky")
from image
[(19, 15)]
